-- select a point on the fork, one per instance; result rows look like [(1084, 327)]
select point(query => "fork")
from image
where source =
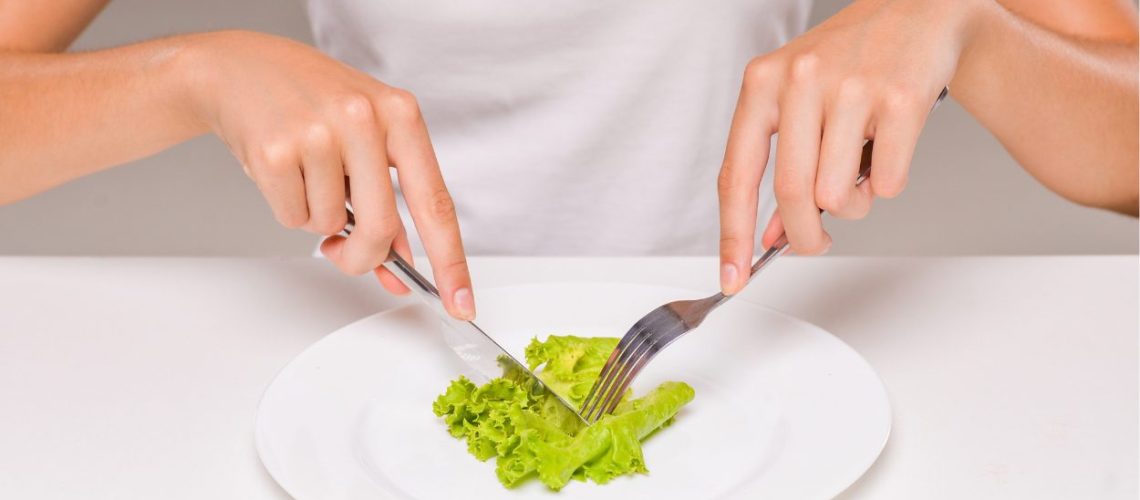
[(665, 324)]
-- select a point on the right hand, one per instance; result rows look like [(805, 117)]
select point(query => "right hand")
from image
[(311, 131)]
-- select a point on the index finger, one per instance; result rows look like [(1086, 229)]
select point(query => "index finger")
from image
[(431, 206), (745, 158)]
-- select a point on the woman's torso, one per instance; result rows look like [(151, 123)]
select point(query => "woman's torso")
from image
[(573, 128)]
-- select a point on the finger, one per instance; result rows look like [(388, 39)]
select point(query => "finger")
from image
[(843, 137), (324, 182), (277, 173), (332, 248), (392, 283), (745, 158), (773, 231), (897, 128), (797, 155), (431, 205), (373, 199)]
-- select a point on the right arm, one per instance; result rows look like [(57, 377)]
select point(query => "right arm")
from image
[(307, 129), (69, 115), (51, 99)]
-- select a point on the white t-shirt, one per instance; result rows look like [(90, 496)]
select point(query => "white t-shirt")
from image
[(580, 127)]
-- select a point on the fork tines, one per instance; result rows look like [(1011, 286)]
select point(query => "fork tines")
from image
[(635, 349)]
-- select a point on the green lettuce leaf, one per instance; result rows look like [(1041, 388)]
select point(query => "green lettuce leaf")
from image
[(531, 434), (571, 364), (612, 446)]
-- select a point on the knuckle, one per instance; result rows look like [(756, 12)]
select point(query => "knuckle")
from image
[(899, 99), (456, 266), (813, 245), (888, 186), (758, 72), (380, 235), (318, 136), (329, 225), (354, 267), (442, 206), (401, 105), (830, 198), (276, 156), (357, 108), (291, 218), (852, 90), (353, 261), (730, 241), (371, 243), (805, 67)]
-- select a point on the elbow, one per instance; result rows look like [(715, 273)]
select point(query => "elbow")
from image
[(1104, 182), (40, 43), (1123, 198), (1132, 208), (8, 195), (1128, 205), (12, 187), (25, 48), (12, 194)]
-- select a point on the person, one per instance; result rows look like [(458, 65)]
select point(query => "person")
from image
[(582, 127)]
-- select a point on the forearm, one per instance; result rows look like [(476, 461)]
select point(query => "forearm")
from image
[(44, 25), (63, 116), (1065, 108)]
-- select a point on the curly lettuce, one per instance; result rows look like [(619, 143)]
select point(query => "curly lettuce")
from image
[(531, 435)]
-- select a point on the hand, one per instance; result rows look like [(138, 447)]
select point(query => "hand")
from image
[(312, 132), (870, 72)]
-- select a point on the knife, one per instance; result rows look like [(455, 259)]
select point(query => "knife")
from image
[(469, 342)]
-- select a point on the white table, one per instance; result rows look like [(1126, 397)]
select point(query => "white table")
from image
[(139, 377)]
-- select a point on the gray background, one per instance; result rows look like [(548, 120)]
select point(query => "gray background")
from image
[(966, 195)]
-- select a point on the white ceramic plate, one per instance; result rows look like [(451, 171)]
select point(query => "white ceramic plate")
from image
[(783, 410)]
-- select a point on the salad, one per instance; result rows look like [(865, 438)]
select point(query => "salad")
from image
[(532, 435)]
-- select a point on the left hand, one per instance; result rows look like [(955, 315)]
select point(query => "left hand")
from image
[(872, 71)]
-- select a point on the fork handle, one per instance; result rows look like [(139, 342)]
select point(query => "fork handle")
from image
[(780, 246)]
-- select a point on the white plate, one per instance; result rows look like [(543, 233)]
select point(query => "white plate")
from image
[(782, 410)]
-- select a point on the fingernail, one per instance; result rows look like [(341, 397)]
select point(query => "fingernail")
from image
[(464, 303), (728, 276)]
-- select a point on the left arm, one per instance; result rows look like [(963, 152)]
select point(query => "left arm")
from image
[(1059, 91), (43, 26)]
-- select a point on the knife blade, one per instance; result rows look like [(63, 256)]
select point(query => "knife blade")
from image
[(474, 346)]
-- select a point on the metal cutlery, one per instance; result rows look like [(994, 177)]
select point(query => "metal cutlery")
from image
[(667, 323), (470, 342)]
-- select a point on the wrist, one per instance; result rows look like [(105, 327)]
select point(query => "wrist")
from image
[(974, 23), (195, 72)]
